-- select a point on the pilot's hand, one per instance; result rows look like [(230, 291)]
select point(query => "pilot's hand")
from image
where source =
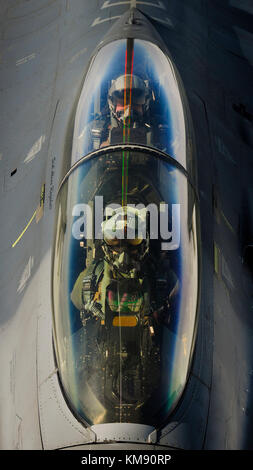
[(95, 309)]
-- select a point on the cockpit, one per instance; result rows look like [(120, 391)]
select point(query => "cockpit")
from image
[(125, 260)]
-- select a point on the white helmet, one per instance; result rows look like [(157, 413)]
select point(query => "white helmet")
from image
[(128, 96)]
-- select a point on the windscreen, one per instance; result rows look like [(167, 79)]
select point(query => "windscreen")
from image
[(125, 287), (132, 94)]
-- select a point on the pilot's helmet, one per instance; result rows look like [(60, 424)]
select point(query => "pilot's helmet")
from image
[(129, 98), (125, 241)]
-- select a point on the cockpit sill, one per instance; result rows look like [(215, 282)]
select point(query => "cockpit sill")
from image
[(136, 148)]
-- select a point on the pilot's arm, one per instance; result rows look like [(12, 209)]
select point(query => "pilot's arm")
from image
[(167, 287), (77, 292), (84, 297)]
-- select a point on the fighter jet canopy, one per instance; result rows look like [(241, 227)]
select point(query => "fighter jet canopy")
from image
[(125, 259)]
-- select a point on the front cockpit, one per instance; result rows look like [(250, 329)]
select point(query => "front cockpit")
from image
[(131, 95), (125, 260)]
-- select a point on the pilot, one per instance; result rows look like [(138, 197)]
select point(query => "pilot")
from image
[(129, 105), (129, 100), (115, 280), (123, 280)]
